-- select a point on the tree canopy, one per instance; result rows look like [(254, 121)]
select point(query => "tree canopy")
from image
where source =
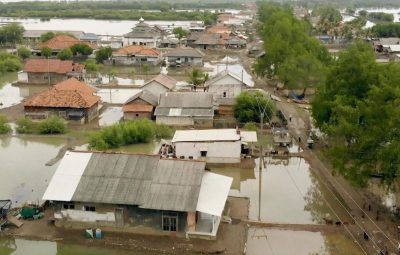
[(249, 106), (358, 109), (103, 54), (180, 32), (11, 33), (65, 54), (329, 18)]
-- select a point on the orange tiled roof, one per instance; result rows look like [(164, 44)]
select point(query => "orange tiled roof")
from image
[(137, 108), (74, 84), (219, 30), (62, 99), (137, 49), (64, 41), (52, 66)]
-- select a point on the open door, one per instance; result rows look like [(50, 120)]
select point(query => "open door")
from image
[(119, 217)]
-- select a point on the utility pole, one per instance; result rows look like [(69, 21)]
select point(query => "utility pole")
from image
[(260, 168)]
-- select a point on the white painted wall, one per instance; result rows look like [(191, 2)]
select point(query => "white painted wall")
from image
[(84, 216), (227, 84), (155, 88), (22, 76), (217, 152), (151, 43)]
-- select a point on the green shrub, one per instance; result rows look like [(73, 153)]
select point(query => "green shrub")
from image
[(90, 65), (251, 126), (4, 126), (65, 54), (25, 126), (52, 125), (126, 133), (24, 53)]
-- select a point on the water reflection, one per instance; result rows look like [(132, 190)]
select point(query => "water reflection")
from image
[(111, 115)]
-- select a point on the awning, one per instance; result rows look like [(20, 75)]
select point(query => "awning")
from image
[(213, 193)]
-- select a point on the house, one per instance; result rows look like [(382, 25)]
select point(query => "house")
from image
[(383, 44), (50, 71), (219, 29), (139, 194), (226, 85), (114, 42), (139, 106), (169, 42), (160, 84), (184, 57), (136, 55), (60, 42), (185, 109), (281, 137), (210, 41), (212, 145), (90, 38), (71, 99), (143, 34), (33, 36)]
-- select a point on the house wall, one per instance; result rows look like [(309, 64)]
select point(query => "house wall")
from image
[(155, 88), (137, 115), (175, 120), (135, 60), (149, 42), (185, 60), (41, 78), (231, 86), (217, 152)]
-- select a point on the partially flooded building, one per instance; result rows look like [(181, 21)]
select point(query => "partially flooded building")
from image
[(137, 194)]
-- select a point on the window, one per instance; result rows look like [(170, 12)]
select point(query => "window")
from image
[(190, 157), (224, 94), (203, 153), (137, 115), (169, 221), (69, 206), (90, 208)]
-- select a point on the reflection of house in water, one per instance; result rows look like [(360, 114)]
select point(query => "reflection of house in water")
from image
[(138, 194), (239, 175), (281, 137)]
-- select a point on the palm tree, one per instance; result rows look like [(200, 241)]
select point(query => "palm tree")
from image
[(197, 78)]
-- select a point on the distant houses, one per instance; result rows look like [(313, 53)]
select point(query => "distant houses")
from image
[(60, 42), (212, 145), (71, 99), (143, 34), (137, 194), (184, 57), (185, 109), (50, 71), (33, 36), (136, 55)]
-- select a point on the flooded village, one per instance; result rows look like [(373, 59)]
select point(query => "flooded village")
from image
[(151, 136)]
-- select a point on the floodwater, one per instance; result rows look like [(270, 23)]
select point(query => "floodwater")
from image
[(100, 27), (9, 94), (369, 24), (140, 148), (263, 241), (110, 116), (24, 175), (23, 247)]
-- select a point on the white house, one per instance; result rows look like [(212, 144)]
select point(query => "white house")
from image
[(160, 84), (212, 145), (136, 55), (226, 85), (142, 34), (184, 57)]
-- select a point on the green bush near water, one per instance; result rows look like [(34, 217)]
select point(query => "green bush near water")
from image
[(127, 133), (52, 125), (4, 126), (25, 126)]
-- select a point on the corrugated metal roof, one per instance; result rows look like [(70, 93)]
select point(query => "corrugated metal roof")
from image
[(185, 112), (186, 100), (205, 135), (147, 181)]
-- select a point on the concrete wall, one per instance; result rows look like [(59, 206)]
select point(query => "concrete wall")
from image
[(41, 78), (126, 60), (185, 61), (151, 43), (229, 85), (155, 88), (217, 152), (137, 115), (175, 121)]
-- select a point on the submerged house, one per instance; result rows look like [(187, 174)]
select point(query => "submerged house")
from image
[(184, 57), (137, 194), (160, 84), (71, 99), (212, 145), (143, 34), (136, 55), (139, 106), (50, 71), (185, 109), (60, 42)]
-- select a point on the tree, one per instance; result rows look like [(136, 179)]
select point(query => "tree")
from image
[(329, 18), (103, 54), (146, 69), (46, 52), (47, 36), (24, 53), (249, 106), (52, 125), (197, 77), (81, 49), (9, 62), (11, 33), (65, 54), (4, 126), (25, 126), (91, 65), (180, 32)]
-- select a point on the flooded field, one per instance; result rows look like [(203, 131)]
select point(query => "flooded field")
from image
[(24, 173), (111, 115), (9, 94), (263, 241), (24, 247)]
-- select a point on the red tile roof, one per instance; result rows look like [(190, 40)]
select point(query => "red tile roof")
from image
[(137, 108), (137, 49), (67, 94), (52, 66), (60, 42), (219, 30)]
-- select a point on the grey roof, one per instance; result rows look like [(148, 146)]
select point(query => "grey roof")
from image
[(208, 39), (146, 181), (388, 41), (143, 30), (163, 80), (38, 33), (185, 52), (186, 100), (145, 96), (89, 37), (222, 75), (186, 112)]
